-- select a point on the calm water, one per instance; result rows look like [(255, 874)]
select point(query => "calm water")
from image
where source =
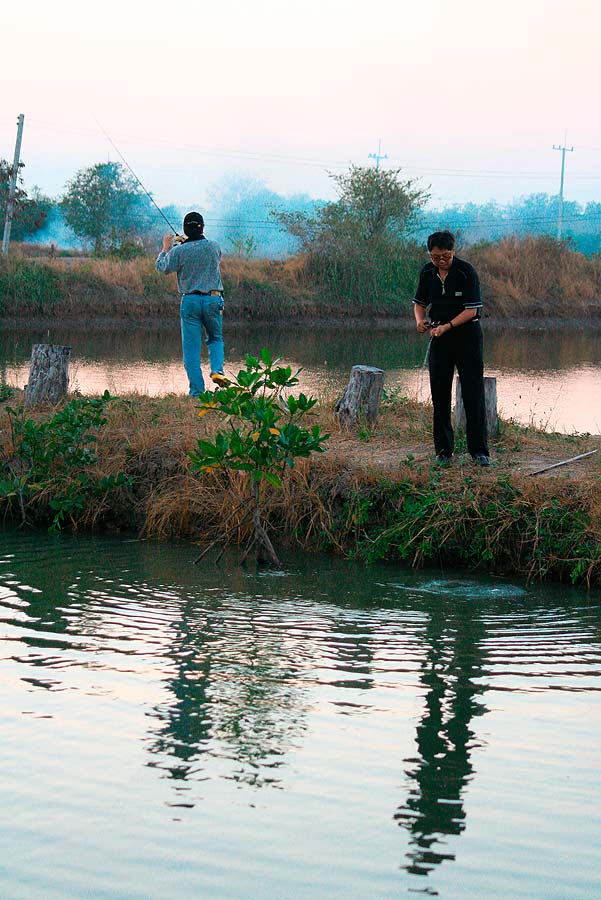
[(549, 378), (329, 731)]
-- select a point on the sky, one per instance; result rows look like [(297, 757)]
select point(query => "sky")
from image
[(468, 97)]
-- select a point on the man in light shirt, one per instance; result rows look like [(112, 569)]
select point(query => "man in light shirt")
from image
[(196, 262)]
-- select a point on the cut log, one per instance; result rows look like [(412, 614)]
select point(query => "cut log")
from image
[(361, 399), (48, 374), (490, 399)]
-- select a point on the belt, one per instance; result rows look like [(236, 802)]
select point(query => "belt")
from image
[(205, 293)]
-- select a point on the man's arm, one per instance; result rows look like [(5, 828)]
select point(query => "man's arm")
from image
[(460, 319), (420, 304), (166, 260), (421, 317)]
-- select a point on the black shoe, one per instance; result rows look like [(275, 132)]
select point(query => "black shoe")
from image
[(444, 458), (481, 459)]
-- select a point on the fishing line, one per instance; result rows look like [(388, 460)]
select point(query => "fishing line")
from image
[(125, 162), (420, 385)]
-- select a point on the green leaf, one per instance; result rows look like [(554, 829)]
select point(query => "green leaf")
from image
[(272, 479)]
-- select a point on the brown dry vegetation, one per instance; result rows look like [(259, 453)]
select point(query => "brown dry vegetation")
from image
[(537, 276), (377, 495), (522, 278)]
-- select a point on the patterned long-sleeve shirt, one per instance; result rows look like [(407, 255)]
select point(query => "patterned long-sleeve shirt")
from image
[(196, 264)]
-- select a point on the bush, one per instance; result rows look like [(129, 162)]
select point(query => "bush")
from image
[(49, 463), (29, 286)]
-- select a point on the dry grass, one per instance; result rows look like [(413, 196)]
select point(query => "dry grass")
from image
[(522, 277), (537, 276), (353, 497)]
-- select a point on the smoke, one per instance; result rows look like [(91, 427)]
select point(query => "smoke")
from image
[(55, 231), (534, 214), (240, 217)]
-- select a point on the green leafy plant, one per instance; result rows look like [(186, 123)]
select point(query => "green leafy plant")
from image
[(50, 462), (262, 437)]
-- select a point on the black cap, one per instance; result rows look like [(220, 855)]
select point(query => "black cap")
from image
[(193, 224)]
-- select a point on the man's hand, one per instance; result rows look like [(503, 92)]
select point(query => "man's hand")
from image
[(167, 242), (423, 325)]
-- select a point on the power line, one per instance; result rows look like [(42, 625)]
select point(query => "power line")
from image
[(225, 152)]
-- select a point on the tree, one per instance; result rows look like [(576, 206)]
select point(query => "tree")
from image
[(105, 205), (357, 246), (33, 217), (29, 212), (262, 437)]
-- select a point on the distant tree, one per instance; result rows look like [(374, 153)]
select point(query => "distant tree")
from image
[(29, 212), (34, 217), (104, 205), (358, 246)]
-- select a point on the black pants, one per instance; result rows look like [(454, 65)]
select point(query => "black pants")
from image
[(459, 348)]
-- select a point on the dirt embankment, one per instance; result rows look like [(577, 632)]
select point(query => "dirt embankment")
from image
[(376, 494), (522, 280)]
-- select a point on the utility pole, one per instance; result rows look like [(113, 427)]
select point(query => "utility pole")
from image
[(10, 203), (378, 156), (564, 150)]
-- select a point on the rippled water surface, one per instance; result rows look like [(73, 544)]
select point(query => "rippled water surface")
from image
[(328, 731), (546, 377)]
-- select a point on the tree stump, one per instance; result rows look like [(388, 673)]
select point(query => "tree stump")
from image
[(490, 399), (361, 399), (48, 374)]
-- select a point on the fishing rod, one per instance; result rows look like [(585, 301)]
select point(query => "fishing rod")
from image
[(148, 194)]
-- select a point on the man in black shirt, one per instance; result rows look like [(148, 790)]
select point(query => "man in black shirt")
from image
[(449, 289)]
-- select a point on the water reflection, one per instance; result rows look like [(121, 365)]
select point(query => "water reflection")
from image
[(452, 677), (235, 702), (545, 376), (293, 695)]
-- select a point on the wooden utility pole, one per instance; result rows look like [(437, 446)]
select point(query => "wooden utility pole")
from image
[(378, 156), (10, 203), (564, 150)]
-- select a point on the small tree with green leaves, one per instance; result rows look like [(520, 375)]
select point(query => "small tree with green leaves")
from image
[(262, 436), (357, 247)]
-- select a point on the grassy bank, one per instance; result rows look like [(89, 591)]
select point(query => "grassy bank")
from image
[(374, 496), (522, 278)]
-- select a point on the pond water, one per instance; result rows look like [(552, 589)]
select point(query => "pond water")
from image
[(545, 377), (327, 731)]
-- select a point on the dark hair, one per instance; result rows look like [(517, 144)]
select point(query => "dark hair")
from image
[(443, 239), (193, 224)]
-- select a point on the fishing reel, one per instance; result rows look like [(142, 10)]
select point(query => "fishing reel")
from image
[(179, 239)]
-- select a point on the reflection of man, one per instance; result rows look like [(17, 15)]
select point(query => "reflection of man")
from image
[(197, 264), (451, 673), (449, 288)]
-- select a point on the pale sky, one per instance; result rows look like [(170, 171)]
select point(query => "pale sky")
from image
[(469, 96)]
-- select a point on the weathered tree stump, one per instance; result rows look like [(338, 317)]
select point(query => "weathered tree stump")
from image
[(490, 399), (361, 399), (48, 374)]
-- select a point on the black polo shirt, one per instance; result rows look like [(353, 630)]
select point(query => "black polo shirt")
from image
[(460, 290)]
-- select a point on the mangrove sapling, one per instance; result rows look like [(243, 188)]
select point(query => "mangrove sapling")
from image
[(261, 437)]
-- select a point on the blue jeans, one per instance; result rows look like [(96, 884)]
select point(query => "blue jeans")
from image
[(198, 311)]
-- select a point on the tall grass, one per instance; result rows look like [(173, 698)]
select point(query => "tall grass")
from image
[(536, 276), (521, 278)]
